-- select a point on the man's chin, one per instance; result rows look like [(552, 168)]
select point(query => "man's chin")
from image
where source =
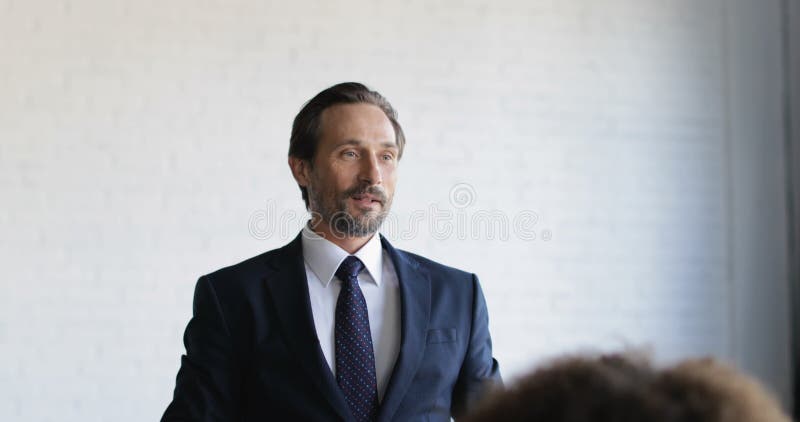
[(355, 228), (370, 221), (361, 223)]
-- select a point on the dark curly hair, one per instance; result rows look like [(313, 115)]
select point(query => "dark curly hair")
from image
[(627, 388)]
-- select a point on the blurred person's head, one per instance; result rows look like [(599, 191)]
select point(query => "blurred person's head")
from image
[(626, 388)]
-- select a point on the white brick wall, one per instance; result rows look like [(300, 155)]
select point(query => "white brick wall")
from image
[(139, 139)]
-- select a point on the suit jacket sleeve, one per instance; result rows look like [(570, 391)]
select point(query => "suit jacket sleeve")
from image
[(207, 385), (480, 370)]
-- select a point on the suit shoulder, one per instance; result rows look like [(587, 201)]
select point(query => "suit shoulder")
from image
[(248, 271), (246, 266), (436, 268)]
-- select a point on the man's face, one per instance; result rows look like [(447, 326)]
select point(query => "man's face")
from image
[(351, 182)]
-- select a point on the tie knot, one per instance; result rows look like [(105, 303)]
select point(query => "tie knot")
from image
[(349, 268)]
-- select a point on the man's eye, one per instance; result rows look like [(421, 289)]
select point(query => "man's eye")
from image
[(349, 154), (388, 157)]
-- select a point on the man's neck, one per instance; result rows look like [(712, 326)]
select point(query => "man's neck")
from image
[(351, 244)]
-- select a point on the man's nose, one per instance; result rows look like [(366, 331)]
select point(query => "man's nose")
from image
[(371, 171)]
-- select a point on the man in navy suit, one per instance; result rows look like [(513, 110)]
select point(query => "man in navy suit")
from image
[(338, 325)]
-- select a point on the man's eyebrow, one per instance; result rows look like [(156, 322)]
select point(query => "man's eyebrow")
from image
[(349, 142)]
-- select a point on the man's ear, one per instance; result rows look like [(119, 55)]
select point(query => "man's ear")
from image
[(300, 170)]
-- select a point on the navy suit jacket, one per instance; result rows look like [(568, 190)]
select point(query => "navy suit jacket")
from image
[(252, 352)]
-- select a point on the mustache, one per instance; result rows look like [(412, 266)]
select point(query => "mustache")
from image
[(375, 191)]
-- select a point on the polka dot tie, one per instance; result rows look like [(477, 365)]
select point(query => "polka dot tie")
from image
[(355, 360)]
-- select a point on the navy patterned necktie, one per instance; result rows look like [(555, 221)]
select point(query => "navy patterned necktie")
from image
[(355, 360)]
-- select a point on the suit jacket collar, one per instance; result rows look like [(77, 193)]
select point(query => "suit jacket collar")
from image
[(288, 289), (415, 307)]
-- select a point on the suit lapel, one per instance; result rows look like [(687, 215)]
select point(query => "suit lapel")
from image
[(288, 287), (415, 298)]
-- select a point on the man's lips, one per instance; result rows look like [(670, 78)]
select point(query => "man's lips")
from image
[(366, 199)]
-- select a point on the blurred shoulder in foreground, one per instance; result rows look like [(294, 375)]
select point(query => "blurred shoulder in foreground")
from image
[(623, 388)]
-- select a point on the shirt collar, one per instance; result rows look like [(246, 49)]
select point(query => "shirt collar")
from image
[(324, 256)]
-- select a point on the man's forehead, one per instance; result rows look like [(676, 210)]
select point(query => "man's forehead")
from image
[(355, 112), (356, 122)]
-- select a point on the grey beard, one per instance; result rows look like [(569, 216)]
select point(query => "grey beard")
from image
[(345, 225), (342, 223)]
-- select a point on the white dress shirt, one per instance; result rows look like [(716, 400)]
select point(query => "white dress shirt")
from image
[(379, 284)]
